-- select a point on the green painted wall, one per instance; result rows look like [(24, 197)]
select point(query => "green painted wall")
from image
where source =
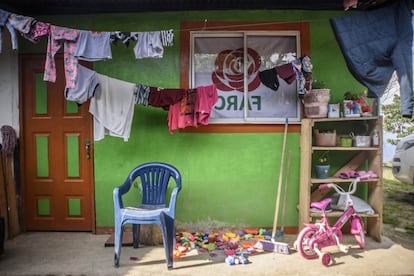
[(228, 179)]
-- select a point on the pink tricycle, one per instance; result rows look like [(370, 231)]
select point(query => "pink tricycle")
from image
[(320, 234)]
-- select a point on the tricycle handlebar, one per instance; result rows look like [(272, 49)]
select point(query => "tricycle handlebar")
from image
[(339, 189)]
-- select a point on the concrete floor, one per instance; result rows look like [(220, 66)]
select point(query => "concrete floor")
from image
[(75, 254)]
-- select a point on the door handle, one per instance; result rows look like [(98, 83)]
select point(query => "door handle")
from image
[(87, 147)]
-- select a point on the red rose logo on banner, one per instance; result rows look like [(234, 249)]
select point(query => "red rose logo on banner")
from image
[(229, 75)]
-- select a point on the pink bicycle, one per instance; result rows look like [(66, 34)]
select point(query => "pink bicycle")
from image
[(320, 234)]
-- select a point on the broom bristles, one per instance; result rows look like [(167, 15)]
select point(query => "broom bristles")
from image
[(8, 135)]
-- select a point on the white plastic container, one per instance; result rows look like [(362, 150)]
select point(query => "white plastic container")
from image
[(361, 141)]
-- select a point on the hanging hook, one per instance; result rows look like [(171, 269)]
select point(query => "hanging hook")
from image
[(205, 24)]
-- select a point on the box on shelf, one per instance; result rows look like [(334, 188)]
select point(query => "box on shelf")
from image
[(333, 110), (361, 141), (325, 138), (351, 109), (316, 103)]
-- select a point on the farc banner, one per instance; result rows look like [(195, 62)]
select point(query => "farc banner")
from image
[(221, 61)]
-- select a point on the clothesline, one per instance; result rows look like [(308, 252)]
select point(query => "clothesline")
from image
[(25, 24), (112, 103), (80, 44), (111, 100), (81, 83)]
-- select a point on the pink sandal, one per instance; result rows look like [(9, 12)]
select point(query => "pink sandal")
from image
[(347, 175), (367, 175)]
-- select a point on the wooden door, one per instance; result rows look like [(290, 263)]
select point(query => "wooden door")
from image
[(56, 145)]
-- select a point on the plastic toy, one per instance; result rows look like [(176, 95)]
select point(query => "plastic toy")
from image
[(236, 259)]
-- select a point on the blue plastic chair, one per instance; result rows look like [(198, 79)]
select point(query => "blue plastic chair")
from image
[(155, 177)]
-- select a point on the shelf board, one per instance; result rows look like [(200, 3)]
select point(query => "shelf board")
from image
[(345, 148), (339, 180), (343, 119), (339, 213)]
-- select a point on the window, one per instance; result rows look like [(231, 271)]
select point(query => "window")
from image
[(233, 56)]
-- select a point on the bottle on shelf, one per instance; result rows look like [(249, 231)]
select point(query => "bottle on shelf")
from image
[(375, 138)]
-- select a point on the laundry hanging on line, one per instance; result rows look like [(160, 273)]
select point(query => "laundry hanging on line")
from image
[(299, 69), (112, 103), (92, 46), (112, 108), (14, 22), (83, 84), (193, 109), (80, 44), (376, 43)]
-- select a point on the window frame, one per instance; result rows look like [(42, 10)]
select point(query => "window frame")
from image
[(258, 27)]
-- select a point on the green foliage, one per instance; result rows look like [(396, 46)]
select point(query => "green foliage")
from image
[(395, 123), (323, 159), (353, 96), (318, 84)]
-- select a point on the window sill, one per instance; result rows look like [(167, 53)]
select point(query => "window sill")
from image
[(241, 128)]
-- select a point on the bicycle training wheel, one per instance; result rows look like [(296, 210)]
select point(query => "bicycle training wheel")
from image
[(303, 243), (326, 259), (360, 237)]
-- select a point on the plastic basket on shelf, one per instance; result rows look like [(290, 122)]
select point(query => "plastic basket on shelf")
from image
[(316, 103), (325, 139)]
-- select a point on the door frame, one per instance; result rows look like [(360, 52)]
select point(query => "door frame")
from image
[(21, 57)]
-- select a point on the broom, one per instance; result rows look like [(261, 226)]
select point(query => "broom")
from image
[(9, 144), (280, 233), (274, 246)]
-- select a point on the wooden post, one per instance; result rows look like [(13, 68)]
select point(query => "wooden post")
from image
[(13, 214), (3, 197)]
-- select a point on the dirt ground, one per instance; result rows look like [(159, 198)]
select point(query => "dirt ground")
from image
[(398, 210), (399, 235), (60, 253), (84, 254), (63, 254)]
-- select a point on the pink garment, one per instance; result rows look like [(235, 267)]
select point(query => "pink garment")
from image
[(286, 72), (194, 108), (59, 36), (38, 30), (173, 114), (182, 113), (350, 4), (206, 98)]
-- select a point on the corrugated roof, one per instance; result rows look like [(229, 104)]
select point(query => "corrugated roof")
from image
[(60, 7)]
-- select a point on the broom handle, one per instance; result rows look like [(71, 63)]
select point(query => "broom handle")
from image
[(280, 180), (286, 189)]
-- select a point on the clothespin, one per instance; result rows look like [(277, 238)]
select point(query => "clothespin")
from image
[(205, 24)]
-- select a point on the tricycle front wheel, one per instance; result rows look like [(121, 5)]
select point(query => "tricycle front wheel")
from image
[(302, 243), (360, 237)]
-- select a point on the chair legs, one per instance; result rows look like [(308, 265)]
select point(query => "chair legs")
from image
[(117, 243), (168, 236), (136, 229)]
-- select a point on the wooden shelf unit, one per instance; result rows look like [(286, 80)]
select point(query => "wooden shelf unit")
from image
[(370, 158)]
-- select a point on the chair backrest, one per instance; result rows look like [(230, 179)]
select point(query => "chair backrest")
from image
[(155, 177)]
